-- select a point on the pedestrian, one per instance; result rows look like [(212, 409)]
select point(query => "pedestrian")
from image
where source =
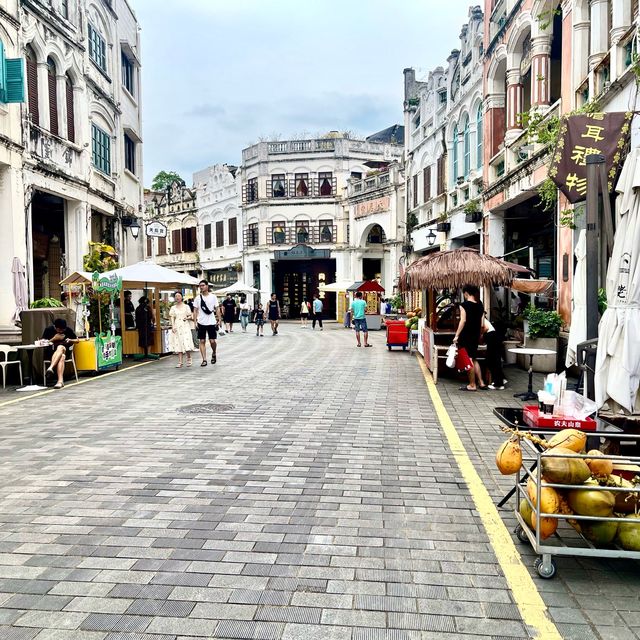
[(317, 312), (467, 335), (259, 320), (62, 339), (145, 325), (205, 312), (347, 312), (358, 308), (181, 338), (305, 309), (493, 341), (273, 313), (129, 311), (245, 310), (229, 312)]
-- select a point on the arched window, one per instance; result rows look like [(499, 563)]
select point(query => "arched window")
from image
[(71, 116), (479, 134), (32, 86), (302, 232), (467, 146), (376, 235), (53, 96), (454, 156)]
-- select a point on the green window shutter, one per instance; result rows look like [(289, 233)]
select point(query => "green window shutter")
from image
[(3, 75), (14, 74)]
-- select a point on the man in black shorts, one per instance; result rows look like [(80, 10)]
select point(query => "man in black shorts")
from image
[(62, 339), (205, 315)]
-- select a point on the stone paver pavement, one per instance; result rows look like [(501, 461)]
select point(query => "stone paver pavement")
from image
[(323, 503)]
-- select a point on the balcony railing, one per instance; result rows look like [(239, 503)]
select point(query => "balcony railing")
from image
[(370, 183), (302, 235), (315, 188)]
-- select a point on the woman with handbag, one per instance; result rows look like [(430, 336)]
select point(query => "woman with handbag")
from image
[(468, 336)]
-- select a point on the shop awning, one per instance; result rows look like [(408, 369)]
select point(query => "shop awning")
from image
[(335, 287), (77, 277), (538, 287), (366, 285)]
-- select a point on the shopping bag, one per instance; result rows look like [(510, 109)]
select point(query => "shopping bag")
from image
[(452, 351), (463, 361)]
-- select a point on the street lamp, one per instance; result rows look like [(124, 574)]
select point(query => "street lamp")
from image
[(431, 238), (134, 227)]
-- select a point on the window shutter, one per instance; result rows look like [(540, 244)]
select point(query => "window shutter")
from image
[(415, 190), (162, 246), (53, 103), (32, 89), (71, 118), (233, 231), (426, 183), (219, 233), (14, 76), (149, 247), (176, 241), (3, 75)]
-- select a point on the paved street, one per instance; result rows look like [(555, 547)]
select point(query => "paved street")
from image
[(318, 500)]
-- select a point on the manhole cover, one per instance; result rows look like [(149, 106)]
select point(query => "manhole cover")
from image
[(195, 409)]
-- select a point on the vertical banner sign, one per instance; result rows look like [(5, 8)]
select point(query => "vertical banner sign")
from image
[(583, 135)]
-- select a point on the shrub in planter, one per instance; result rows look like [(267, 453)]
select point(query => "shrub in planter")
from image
[(443, 226), (543, 329)]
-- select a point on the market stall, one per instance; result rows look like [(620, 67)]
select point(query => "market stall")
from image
[(152, 279), (371, 293), (343, 300)]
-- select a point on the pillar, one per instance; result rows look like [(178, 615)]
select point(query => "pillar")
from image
[(540, 71), (43, 95), (266, 279), (61, 88), (620, 19), (515, 98), (599, 20)]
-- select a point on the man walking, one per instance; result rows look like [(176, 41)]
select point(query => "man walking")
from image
[(205, 312), (317, 312), (358, 307), (273, 313)]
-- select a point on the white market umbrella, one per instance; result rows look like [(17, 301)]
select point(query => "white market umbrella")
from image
[(617, 374), (146, 273), (19, 284), (578, 331), (237, 287), (340, 285)]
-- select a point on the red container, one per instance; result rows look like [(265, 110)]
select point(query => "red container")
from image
[(532, 417), (397, 334)]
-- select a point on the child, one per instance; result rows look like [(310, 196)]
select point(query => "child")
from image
[(259, 320)]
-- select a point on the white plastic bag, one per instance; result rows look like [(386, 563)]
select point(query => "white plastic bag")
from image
[(452, 352), (575, 405)]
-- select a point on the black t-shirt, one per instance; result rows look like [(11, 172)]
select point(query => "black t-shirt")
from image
[(228, 304), (260, 314), (470, 334), (50, 331)]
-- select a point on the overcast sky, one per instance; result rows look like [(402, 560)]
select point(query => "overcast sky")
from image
[(219, 74)]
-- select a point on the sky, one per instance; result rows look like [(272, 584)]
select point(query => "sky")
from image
[(218, 75)]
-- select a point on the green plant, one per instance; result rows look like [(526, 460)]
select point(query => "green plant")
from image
[(397, 302), (163, 179), (602, 300), (548, 194), (568, 217), (473, 206), (101, 257), (545, 18), (412, 221), (635, 67), (543, 324), (413, 102), (443, 217), (45, 303)]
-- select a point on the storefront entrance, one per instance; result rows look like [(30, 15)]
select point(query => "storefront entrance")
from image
[(297, 279)]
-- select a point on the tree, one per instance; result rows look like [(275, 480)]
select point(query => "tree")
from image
[(164, 179)]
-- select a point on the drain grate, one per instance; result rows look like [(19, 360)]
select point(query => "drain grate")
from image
[(204, 409)]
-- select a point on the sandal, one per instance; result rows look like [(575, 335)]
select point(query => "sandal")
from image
[(189, 363), (58, 385), (179, 365), (368, 345), (213, 359), (203, 363), (465, 388)]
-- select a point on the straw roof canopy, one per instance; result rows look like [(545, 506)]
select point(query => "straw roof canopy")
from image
[(455, 268)]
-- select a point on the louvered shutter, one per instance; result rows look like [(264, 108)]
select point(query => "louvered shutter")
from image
[(162, 246), (427, 183), (194, 240), (71, 118), (32, 88), (53, 103), (14, 75), (149, 247), (176, 241), (3, 75)]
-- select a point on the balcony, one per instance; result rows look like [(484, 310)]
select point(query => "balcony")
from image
[(324, 234), (65, 156), (370, 183), (314, 188)]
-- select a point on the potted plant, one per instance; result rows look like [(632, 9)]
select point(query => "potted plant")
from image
[(543, 330), (472, 211), (443, 223)]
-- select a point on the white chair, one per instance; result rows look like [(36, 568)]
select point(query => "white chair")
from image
[(5, 362), (46, 363)]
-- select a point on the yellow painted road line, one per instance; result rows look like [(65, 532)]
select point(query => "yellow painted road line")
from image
[(44, 392), (525, 593)]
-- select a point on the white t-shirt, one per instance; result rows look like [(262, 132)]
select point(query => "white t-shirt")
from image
[(206, 319)]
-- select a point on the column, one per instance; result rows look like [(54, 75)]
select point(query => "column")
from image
[(494, 128), (266, 279), (61, 88), (620, 19), (515, 96), (580, 52), (599, 20), (540, 71), (43, 95)]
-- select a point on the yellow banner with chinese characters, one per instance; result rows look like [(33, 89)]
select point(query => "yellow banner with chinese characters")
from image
[(588, 134)]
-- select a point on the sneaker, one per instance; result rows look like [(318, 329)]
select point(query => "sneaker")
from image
[(494, 388)]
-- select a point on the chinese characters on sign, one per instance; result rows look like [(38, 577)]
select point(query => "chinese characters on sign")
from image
[(583, 135), (156, 230), (369, 207)]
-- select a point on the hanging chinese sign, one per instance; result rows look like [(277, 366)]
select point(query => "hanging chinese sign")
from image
[(582, 135)]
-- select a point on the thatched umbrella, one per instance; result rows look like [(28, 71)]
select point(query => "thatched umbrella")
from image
[(457, 267)]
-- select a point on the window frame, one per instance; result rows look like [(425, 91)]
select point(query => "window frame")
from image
[(278, 178), (454, 156), (97, 47), (128, 73), (479, 140), (105, 143), (466, 147), (232, 231), (129, 154), (219, 233), (301, 179), (253, 234), (207, 236), (328, 176), (326, 224)]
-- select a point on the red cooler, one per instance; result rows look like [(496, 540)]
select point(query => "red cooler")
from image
[(397, 334)]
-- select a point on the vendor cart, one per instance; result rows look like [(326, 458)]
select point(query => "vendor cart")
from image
[(372, 293), (397, 334)]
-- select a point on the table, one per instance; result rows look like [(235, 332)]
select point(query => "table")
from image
[(29, 348), (529, 394)]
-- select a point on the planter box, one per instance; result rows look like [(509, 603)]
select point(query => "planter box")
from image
[(541, 364), (443, 226), (476, 216), (510, 358)]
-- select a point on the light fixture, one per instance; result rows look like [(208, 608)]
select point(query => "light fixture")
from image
[(132, 223), (431, 238)]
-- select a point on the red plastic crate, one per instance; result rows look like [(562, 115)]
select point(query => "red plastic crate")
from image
[(531, 416)]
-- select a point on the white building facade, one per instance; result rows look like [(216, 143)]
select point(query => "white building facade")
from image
[(295, 220), (81, 140), (220, 225)]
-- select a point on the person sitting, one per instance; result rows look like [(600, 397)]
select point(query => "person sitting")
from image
[(62, 339)]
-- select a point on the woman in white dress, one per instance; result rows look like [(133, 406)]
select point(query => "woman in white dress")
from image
[(181, 338)]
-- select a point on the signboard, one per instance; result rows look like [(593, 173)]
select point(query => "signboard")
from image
[(369, 207), (102, 284), (302, 252), (584, 135), (156, 230), (108, 350), (221, 278)]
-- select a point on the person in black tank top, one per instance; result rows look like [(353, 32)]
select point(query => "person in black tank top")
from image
[(273, 313), (468, 333)]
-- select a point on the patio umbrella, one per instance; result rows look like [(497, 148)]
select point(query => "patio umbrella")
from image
[(578, 331), (19, 283), (457, 267), (237, 287), (617, 373)]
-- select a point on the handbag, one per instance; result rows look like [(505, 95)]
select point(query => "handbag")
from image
[(463, 361), (452, 352)]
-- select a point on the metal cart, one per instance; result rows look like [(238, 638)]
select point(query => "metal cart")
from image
[(567, 541)]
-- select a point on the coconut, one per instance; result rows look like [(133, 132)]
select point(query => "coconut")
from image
[(591, 502), (563, 470), (597, 466), (599, 533), (573, 439), (509, 457), (629, 533), (548, 526)]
